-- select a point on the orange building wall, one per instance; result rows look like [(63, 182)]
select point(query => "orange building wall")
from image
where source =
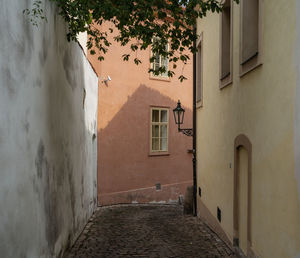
[(127, 173)]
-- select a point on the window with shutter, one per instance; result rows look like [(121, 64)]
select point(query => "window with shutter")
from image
[(250, 35), (226, 45)]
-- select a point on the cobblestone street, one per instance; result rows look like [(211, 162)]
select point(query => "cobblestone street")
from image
[(147, 231)]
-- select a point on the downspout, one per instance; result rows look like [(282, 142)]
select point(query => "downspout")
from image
[(194, 132)]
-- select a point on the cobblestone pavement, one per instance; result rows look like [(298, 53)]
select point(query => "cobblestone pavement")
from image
[(147, 231)]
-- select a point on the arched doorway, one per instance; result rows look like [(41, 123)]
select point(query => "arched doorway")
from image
[(242, 193)]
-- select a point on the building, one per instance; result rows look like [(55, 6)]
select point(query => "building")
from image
[(248, 125), (48, 146), (141, 156)]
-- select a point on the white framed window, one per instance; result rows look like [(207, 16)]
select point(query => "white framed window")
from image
[(159, 131), (160, 61)]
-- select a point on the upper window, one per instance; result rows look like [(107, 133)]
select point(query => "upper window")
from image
[(199, 74), (160, 61), (226, 45), (250, 35), (159, 129)]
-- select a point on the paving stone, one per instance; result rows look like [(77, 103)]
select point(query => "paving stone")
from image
[(147, 231)]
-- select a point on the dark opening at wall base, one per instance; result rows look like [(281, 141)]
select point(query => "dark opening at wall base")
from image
[(219, 214), (235, 241), (158, 186)]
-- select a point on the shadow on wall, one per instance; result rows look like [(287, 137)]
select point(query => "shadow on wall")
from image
[(71, 164), (126, 170), (64, 157)]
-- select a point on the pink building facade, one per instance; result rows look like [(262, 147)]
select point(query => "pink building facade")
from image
[(142, 158)]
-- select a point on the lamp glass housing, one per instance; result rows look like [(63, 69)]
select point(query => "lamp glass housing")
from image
[(178, 114)]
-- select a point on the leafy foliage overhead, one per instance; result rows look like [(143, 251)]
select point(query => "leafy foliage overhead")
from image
[(137, 22)]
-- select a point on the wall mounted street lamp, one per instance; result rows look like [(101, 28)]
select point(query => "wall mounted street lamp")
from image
[(178, 116)]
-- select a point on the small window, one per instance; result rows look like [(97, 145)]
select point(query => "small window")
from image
[(226, 45), (160, 61), (199, 74), (159, 129), (250, 35)]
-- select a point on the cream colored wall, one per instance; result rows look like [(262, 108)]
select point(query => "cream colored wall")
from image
[(260, 105), (297, 97), (243, 197)]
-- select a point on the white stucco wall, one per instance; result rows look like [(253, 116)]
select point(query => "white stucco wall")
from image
[(47, 135), (82, 39)]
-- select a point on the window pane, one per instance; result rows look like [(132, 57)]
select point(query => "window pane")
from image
[(155, 115), (250, 29), (164, 116), (155, 144), (156, 62), (164, 64), (163, 144), (164, 131), (155, 130), (226, 34)]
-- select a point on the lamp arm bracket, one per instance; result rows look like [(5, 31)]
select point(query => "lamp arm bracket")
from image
[(186, 131)]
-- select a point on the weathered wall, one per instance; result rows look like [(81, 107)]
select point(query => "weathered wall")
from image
[(260, 105), (82, 40), (47, 147), (127, 172)]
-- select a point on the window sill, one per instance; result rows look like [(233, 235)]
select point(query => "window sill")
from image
[(245, 71), (250, 65), (199, 104), (225, 81), (156, 154), (160, 78)]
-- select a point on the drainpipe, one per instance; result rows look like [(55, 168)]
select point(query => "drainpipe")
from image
[(194, 133)]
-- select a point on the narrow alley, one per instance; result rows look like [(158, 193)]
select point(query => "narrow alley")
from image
[(119, 117), (147, 231)]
